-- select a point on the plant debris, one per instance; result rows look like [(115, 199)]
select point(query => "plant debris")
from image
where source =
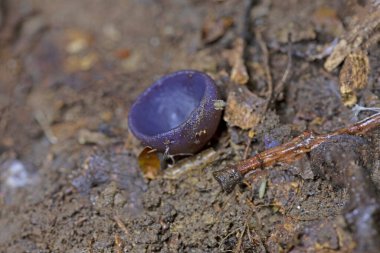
[(213, 29), (149, 163), (289, 152), (353, 76), (243, 109), (70, 174), (361, 36), (239, 73)]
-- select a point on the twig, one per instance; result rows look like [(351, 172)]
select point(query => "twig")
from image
[(358, 109), (240, 241), (289, 152), (268, 76), (228, 235), (281, 85), (121, 225), (272, 93), (261, 244), (118, 244)]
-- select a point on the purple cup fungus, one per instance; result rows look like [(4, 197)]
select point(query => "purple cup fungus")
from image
[(176, 113)]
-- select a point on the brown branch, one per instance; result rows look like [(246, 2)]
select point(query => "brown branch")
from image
[(288, 152)]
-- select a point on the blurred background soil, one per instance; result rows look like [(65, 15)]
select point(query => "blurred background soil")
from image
[(69, 175)]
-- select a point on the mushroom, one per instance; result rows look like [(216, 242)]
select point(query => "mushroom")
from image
[(176, 114)]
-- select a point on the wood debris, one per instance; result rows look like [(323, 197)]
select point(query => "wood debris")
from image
[(239, 73), (361, 36), (353, 76), (243, 109)]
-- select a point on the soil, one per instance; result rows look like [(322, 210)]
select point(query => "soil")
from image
[(69, 174)]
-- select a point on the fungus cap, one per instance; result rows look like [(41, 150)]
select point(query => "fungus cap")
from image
[(176, 112)]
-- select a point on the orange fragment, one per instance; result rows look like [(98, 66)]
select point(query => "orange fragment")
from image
[(149, 163)]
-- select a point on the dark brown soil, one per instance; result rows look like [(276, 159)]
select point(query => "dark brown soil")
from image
[(69, 176)]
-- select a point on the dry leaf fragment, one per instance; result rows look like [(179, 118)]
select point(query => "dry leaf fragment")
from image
[(213, 29), (244, 108), (239, 73), (353, 76), (340, 52), (362, 35), (149, 163)]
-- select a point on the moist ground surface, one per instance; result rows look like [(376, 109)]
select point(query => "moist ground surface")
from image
[(69, 175)]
